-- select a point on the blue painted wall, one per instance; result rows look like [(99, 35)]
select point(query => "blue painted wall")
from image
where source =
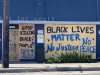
[(38, 45), (58, 10), (71, 10), (40, 9), (1, 9), (0, 41), (98, 42), (21, 9), (39, 14), (98, 9)]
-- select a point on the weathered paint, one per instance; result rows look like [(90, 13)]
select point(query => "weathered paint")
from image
[(69, 38), (13, 45)]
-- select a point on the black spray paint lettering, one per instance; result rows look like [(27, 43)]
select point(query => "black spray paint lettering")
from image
[(58, 29), (27, 27), (27, 32), (25, 45), (85, 29), (91, 28), (26, 39)]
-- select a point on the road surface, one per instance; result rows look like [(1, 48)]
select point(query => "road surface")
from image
[(56, 73)]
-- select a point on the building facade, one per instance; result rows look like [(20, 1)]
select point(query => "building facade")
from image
[(55, 25)]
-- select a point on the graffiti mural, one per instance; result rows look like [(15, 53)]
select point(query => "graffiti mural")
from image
[(26, 41), (69, 38), (13, 45)]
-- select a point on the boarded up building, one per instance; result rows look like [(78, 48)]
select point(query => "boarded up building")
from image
[(58, 26)]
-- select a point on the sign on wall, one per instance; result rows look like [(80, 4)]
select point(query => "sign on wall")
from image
[(40, 38), (99, 31), (14, 26), (40, 31), (27, 41), (69, 38)]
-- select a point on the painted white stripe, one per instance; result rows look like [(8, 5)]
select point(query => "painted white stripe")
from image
[(53, 22)]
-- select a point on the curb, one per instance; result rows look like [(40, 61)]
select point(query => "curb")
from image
[(50, 69)]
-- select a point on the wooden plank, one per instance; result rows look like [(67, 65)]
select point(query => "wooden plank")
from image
[(13, 45), (27, 41), (70, 36)]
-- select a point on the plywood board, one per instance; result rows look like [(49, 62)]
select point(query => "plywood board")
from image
[(27, 41), (69, 38), (13, 45)]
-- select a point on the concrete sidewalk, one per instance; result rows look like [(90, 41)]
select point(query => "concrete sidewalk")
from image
[(35, 67)]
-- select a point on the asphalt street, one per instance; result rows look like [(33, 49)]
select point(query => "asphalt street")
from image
[(57, 73)]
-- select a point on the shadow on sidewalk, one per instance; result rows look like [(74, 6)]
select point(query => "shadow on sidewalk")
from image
[(20, 62)]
